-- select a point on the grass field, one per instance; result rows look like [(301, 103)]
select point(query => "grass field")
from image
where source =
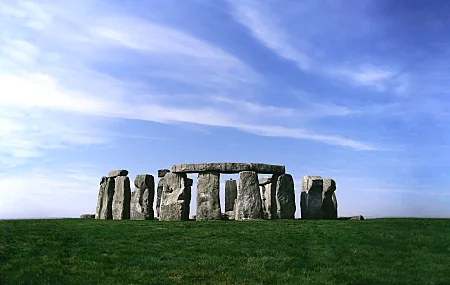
[(78, 251)]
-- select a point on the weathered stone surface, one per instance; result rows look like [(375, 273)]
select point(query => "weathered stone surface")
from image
[(268, 196), (344, 218), (122, 199), (329, 203), (335, 203), (248, 201), (105, 199), (159, 191), (230, 194), (229, 167), (228, 215), (176, 197), (115, 173), (311, 197), (162, 172), (87, 216), (101, 192), (142, 198), (265, 180), (208, 201), (285, 197), (357, 218)]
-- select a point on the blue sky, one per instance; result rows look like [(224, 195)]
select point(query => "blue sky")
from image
[(353, 90)]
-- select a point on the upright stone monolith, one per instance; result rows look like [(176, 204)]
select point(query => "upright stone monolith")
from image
[(142, 197), (230, 194), (105, 199), (176, 197), (248, 201), (285, 197), (208, 201), (121, 199), (159, 189), (267, 187), (311, 197), (329, 203)]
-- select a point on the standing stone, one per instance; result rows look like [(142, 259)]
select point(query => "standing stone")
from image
[(162, 172), (101, 192), (159, 189), (329, 199), (121, 200), (335, 204), (285, 197), (268, 196), (248, 201), (142, 197), (105, 199), (208, 201), (311, 197), (176, 197), (230, 194)]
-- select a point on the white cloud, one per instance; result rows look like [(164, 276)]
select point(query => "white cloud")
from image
[(52, 97), (265, 24), (378, 77), (262, 24)]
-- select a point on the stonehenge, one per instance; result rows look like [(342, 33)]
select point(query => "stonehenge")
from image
[(268, 192), (121, 199), (248, 202), (317, 198), (229, 167), (159, 189), (208, 201), (230, 194), (176, 197), (142, 198), (285, 197), (278, 196), (105, 199), (248, 198)]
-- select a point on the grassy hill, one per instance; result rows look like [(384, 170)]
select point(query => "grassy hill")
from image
[(77, 251)]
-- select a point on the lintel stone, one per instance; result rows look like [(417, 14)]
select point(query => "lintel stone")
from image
[(229, 167)]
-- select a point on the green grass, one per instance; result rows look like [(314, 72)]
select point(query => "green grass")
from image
[(77, 251)]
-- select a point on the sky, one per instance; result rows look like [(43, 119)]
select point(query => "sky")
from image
[(357, 91)]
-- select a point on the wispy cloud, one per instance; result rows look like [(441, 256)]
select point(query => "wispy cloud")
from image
[(377, 77), (44, 81), (262, 25), (296, 44)]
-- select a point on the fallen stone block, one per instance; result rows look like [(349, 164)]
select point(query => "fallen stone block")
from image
[(357, 218)]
